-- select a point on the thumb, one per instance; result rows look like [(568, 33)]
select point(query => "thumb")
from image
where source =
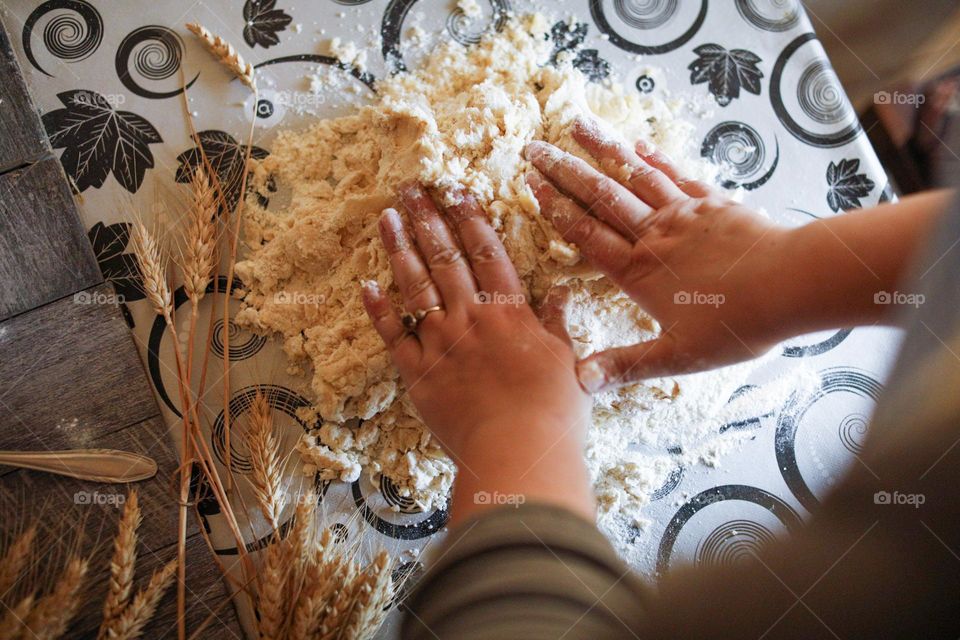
[(623, 365), (552, 312)]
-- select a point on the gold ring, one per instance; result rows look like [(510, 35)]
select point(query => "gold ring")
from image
[(412, 320)]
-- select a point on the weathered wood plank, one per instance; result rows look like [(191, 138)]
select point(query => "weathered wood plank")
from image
[(44, 252), (71, 372), (22, 138)]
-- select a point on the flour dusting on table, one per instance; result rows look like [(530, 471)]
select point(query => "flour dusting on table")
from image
[(463, 119)]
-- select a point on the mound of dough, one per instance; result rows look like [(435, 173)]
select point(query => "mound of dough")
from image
[(462, 119)]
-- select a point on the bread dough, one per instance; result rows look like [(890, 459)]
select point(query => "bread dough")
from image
[(462, 119)]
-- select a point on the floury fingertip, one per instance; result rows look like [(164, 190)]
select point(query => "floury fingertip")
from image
[(591, 375)]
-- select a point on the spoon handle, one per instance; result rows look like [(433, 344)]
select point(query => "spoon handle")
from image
[(98, 465)]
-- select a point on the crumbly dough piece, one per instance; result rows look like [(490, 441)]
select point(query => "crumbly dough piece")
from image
[(463, 119)]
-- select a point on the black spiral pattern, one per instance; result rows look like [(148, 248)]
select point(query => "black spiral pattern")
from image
[(645, 14), (68, 37), (732, 543), (280, 399), (740, 152), (852, 430), (810, 350), (770, 15), (833, 380), (393, 498), (464, 29), (238, 351), (651, 11), (152, 53), (715, 548), (819, 94)]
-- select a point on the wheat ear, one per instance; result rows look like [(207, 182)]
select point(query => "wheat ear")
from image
[(225, 54), (52, 613), (154, 271), (338, 612), (14, 560), (131, 622), (13, 621), (374, 590), (272, 588), (266, 476), (200, 238), (321, 577), (122, 563)]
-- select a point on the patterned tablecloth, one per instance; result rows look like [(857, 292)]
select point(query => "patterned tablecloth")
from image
[(780, 124)]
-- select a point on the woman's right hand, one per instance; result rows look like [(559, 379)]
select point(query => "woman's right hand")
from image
[(705, 267)]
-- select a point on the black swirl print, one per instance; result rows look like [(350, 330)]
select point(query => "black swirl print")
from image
[(771, 15), (640, 23), (741, 154), (148, 56), (807, 97), (73, 31)]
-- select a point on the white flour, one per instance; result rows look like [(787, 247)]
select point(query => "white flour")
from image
[(461, 120)]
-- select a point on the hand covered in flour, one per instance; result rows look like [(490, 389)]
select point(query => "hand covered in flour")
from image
[(494, 381), (698, 262)]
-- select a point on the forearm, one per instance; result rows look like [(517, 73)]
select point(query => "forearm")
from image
[(525, 462), (843, 271)]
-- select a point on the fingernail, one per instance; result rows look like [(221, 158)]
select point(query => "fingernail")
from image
[(591, 375), (535, 150), (645, 148), (534, 179), (370, 286)]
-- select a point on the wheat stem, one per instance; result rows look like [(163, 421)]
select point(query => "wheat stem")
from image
[(122, 564)]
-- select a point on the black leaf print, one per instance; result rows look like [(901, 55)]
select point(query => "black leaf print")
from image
[(226, 156), (263, 22), (96, 140), (846, 185), (119, 268), (726, 71), (568, 38)]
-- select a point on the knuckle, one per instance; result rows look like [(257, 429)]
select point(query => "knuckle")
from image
[(487, 252), (397, 341), (643, 173), (418, 286), (584, 229), (444, 258)]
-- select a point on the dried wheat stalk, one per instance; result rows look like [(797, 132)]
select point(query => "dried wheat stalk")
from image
[(52, 613), (129, 625), (200, 241), (225, 54), (154, 271), (272, 587), (13, 622), (267, 476), (338, 612), (123, 563), (373, 590), (15, 559)]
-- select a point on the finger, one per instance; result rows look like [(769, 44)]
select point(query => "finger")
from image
[(416, 286), (648, 183), (624, 365), (602, 196), (656, 159), (553, 310), (488, 259), (448, 268), (603, 247), (403, 346)]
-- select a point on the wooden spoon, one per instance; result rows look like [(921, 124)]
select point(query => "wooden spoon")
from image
[(98, 465)]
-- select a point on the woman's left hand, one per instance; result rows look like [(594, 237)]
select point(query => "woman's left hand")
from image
[(494, 382)]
